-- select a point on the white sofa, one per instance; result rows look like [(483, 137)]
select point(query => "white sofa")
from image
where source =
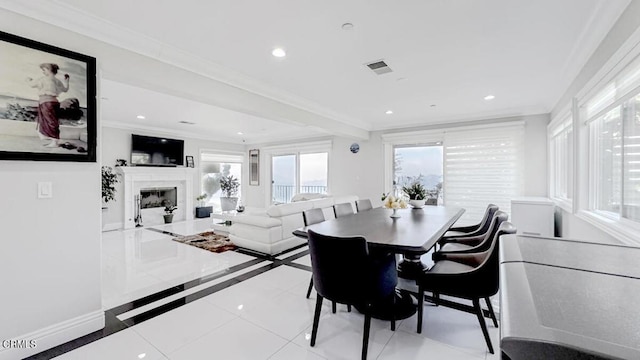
[(270, 232)]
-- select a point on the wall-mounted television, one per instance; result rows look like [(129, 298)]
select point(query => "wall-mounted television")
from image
[(156, 151)]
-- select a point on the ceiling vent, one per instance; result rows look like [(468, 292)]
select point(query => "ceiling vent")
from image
[(379, 67), (186, 122)]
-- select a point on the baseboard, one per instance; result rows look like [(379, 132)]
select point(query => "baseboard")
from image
[(55, 335), (112, 226)]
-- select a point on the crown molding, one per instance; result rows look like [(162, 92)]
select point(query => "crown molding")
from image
[(70, 18)]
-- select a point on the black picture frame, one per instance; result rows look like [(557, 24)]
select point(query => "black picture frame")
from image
[(190, 162), (254, 167), (31, 116)]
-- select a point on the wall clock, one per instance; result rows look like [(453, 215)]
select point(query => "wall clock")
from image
[(354, 148)]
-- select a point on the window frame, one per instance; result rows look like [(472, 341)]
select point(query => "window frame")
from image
[(564, 123)]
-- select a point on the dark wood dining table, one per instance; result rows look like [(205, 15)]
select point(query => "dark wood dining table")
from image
[(413, 234)]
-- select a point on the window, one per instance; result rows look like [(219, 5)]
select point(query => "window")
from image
[(298, 173), (422, 163), (483, 166), (213, 167), (613, 118), (561, 160)]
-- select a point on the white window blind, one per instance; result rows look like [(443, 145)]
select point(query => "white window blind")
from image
[(614, 92), (483, 166)]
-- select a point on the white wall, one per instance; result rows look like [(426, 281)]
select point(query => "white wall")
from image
[(570, 225), (50, 258), (119, 141)]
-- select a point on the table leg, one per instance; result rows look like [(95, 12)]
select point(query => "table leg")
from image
[(411, 267)]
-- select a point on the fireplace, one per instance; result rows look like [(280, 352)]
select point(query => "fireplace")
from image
[(158, 197), (157, 183)]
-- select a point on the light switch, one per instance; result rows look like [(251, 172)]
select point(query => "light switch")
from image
[(45, 190)]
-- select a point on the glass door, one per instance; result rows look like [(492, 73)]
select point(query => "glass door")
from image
[(283, 178)]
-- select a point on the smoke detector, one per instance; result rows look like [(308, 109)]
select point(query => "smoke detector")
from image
[(379, 67)]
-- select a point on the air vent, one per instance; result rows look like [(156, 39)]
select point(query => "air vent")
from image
[(379, 67), (186, 122)]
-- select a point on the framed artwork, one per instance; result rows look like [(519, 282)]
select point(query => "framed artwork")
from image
[(190, 162), (254, 167), (47, 102)]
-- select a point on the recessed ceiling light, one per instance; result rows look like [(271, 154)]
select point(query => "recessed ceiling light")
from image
[(388, 112), (141, 117), (401, 79), (240, 133), (489, 97), (279, 52), (347, 26)]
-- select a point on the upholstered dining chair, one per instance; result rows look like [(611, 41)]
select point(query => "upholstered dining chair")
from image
[(343, 209), (473, 243), (471, 276), (310, 217), (345, 272), (363, 205), (474, 230)]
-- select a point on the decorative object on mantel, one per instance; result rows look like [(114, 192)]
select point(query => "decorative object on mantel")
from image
[(394, 203), (190, 162), (229, 186), (109, 180), (254, 167), (169, 208), (240, 207), (121, 162), (203, 211), (416, 193), (208, 241)]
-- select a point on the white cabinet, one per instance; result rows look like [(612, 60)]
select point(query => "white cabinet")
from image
[(533, 216)]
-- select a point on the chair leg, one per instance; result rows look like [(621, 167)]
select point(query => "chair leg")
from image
[(310, 287), (491, 313), (316, 319), (420, 308), (393, 313), (436, 298), (365, 335), (349, 308), (483, 325), (333, 307)]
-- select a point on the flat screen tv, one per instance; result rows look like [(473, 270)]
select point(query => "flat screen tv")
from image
[(155, 151)]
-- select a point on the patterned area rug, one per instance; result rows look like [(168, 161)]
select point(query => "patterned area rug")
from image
[(208, 241)]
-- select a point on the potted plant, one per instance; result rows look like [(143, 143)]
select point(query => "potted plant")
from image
[(417, 194), (109, 181), (203, 211), (229, 186), (169, 208)]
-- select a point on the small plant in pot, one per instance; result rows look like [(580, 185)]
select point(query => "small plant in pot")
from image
[(417, 194), (229, 186), (169, 208), (109, 181)]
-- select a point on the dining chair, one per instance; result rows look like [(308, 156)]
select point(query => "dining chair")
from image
[(345, 272), (363, 205), (310, 217), (471, 276), (473, 243), (473, 230), (343, 209)]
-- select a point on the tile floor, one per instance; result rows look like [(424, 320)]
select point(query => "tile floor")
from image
[(236, 306)]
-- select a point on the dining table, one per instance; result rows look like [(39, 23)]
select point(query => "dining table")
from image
[(412, 234)]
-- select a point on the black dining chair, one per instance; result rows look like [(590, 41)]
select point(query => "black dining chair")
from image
[(471, 276), (473, 243), (343, 209), (345, 272), (474, 230), (310, 217), (363, 205)]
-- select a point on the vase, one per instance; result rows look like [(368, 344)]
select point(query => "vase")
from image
[(416, 204), (168, 218), (395, 214)]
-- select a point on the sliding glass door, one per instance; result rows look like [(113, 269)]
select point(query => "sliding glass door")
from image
[(283, 178), (298, 173)]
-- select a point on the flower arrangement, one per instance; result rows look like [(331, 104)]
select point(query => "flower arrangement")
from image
[(392, 202), (200, 199), (415, 191)]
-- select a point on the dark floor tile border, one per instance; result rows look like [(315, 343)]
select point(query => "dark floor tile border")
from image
[(182, 287), (114, 325)]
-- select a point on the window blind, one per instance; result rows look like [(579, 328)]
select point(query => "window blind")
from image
[(483, 166)]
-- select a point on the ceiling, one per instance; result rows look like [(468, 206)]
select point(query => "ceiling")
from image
[(446, 56)]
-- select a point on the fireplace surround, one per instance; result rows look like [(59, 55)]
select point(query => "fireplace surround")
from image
[(145, 178)]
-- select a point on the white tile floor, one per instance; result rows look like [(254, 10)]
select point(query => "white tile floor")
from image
[(264, 317)]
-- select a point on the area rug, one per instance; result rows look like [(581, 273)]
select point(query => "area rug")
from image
[(208, 241)]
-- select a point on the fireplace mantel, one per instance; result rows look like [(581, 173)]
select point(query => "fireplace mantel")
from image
[(136, 178)]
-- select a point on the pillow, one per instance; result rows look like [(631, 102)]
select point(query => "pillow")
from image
[(307, 196)]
